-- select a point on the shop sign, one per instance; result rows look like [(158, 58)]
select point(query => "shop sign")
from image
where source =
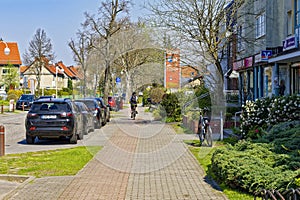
[(237, 65), (265, 55), (248, 62), (289, 43)]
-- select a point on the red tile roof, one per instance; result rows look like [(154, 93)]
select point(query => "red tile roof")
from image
[(14, 55), (71, 71), (67, 70), (76, 71), (23, 68)]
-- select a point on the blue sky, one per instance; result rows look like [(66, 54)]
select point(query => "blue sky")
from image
[(59, 18)]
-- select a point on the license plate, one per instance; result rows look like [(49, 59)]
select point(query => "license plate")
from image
[(48, 116)]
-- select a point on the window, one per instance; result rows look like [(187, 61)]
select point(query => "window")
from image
[(6, 71), (260, 25), (297, 12), (289, 23)]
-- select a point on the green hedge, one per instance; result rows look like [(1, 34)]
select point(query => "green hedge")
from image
[(271, 163)]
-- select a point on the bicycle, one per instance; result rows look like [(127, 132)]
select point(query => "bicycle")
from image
[(133, 111), (204, 130)]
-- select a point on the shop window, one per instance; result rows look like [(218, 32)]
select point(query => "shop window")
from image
[(267, 81)]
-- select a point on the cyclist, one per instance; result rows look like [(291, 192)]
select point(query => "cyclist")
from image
[(133, 103)]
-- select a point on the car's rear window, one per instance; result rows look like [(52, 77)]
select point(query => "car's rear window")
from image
[(89, 104), (51, 106), (26, 97)]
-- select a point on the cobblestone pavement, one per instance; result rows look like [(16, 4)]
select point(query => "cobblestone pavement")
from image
[(140, 159)]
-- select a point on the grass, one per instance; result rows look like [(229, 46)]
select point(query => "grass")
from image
[(61, 162), (179, 129)]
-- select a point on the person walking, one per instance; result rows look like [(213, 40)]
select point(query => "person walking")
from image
[(281, 88)]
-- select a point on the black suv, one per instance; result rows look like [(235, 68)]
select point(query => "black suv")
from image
[(54, 118), (105, 109), (95, 107), (25, 100)]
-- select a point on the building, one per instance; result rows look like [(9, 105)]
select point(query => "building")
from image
[(190, 76), (51, 75), (172, 70), (267, 41), (13, 59)]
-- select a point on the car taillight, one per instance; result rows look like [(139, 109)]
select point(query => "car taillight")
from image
[(32, 128), (31, 115), (66, 114)]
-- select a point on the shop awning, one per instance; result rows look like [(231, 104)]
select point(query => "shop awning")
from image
[(234, 74), (231, 74)]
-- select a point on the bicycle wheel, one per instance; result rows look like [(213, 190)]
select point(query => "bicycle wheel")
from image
[(208, 138), (133, 115)]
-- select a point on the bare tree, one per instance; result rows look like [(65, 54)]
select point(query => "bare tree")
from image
[(203, 26), (134, 48), (81, 50), (111, 16), (40, 47)]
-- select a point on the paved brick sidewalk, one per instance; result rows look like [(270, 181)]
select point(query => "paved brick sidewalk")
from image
[(141, 159)]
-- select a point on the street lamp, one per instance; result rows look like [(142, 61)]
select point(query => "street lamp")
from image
[(6, 49), (56, 71)]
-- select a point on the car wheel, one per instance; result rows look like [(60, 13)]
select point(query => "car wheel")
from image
[(98, 124), (30, 139), (80, 135), (103, 121), (73, 138)]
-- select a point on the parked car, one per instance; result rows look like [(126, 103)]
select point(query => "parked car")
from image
[(112, 103), (105, 109), (94, 106), (26, 100), (88, 117), (46, 97), (53, 118), (3, 95)]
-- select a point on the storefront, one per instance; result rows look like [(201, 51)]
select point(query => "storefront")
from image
[(262, 75), (295, 78), (246, 79), (286, 68)]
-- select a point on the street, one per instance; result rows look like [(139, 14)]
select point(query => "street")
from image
[(140, 159), (15, 142)]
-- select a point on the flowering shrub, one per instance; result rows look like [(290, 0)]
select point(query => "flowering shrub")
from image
[(268, 111)]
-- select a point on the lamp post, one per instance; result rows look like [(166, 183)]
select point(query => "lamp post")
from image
[(56, 71), (6, 49)]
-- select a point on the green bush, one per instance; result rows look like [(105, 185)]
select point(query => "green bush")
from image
[(251, 167), (272, 162), (14, 94), (269, 111), (171, 107)]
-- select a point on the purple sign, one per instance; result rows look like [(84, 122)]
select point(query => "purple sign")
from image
[(289, 43)]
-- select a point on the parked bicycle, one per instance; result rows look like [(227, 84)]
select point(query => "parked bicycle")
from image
[(204, 130)]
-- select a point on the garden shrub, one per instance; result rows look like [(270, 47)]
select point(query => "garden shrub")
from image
[(266, 112), (171, 107), (250, 167), (270, 162), (14, 94)]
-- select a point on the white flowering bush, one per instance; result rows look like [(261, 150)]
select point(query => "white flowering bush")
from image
[(258, 115)]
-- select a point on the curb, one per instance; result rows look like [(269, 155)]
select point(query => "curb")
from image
[(20, 181)]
